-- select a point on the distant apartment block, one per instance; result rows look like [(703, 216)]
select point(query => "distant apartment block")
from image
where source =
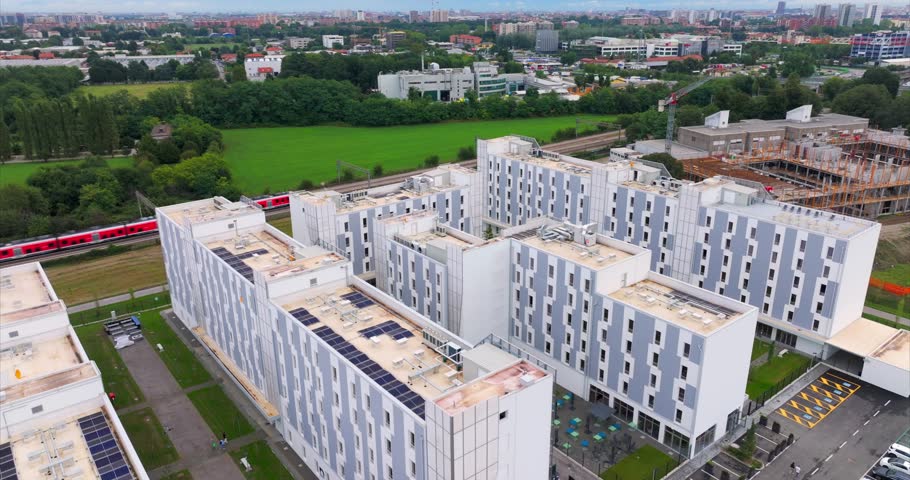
[(56, 420), (359, 385), (299, 42), (449, 84), (882, 45), (345, 222), (332, 41), (547, 41)]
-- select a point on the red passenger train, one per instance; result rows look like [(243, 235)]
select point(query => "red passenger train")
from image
[(73, 240)]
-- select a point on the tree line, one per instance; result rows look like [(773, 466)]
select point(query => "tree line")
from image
[(62, 127)]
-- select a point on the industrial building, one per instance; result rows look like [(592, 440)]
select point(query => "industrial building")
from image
[(450, 84), (359, 385), (832, 162), (344, 222), (56, 420), (258, 67)]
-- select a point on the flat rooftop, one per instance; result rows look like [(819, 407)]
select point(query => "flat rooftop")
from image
[(672, 306), (23, 294), (496, 384), (379, 342), (62, 447), (825, 120), (206, 210), (594, 257), (833, 224), (36, 359), (259, 250), (551, 160), (866, 338), (439, 181)]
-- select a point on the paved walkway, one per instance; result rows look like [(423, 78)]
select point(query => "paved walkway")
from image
[(264, 430), (186, 429), (116, 299), (887, 315)]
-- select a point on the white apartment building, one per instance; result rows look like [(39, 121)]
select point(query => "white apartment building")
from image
[(258, 67), (331, 41), (734, 48), (344, 222), (56, 420), (299, 42), (360, 385), (667, 355), (449, 84)]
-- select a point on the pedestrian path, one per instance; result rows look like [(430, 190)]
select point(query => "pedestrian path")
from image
[(116, 299), (887, 316)]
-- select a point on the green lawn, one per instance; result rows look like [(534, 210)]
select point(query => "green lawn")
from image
[(766, 376), (19, 172), (265, 465), (279, 158), (885, 321), (179, 359), (138, 90), (122, 308), (114, 373), (283, 224), (898, 274), (145, 431), (220, 412), (181, 475), (759, 348), (645, 463)]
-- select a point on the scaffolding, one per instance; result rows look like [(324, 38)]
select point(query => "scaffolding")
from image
[(864, 175)]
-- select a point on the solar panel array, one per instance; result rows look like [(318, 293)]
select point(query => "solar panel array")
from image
[(357, 299), (373, 370), (304, 316), (237, 261), (390, 328), (104, 448), (7, 466)]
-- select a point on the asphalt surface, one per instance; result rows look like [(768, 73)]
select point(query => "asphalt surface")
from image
[(847, 441)]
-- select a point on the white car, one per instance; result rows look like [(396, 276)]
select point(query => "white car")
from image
[(896, 464), (899, 451)]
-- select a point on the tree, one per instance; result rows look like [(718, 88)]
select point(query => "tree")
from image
[(107, 71), (866, 101), (377, 170), (882, 76), (568, 58), (138, 71), (431, 161), (238, 73), (6, 146), (467, 153), (674, 166)]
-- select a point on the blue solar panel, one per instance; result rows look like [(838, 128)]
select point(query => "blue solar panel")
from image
[(7, 466), (105, 451)]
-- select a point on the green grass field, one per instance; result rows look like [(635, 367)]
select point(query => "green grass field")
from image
[(265, 464), (898, 274), (645, 463), (114, 373), (885, 321), (279, 158), (759, 348), (152, 444), (135, 305), (283, 224), (138, 90), (90, 278), (179, 359), (766, 376), (19, 172), (220, 412)]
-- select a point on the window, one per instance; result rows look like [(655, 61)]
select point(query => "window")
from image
[(683, 372), (657, 337), (625, 388), (681, 395), (830, 254), (388, 446), (388, 418), (822, 288), (413, 439), (571, 279), (678, 416), (653, 380), (802, 245), (650, 401), (503, 415), (626, 368), (628, 346), (655, 357), (790, 316), (796, 281), (631, 325), (777, 239), (815, 325)]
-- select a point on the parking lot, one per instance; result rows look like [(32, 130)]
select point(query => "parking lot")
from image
[(902, 440), (819, 399)]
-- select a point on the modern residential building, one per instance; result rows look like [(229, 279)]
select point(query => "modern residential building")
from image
[(781, 8), (299, 42), (345, 222), (56, 420), (258, 67), (467, 40), (394, 39), (332, 41), (805, 270), (359, 385), (873, 11), (449, 84), (439, 16), (845, 14), (662, 353), (734, 48), (547, 41), (413, 16), (822, 11), (880, 45)]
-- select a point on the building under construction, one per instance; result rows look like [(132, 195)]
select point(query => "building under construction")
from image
[(833, 162)]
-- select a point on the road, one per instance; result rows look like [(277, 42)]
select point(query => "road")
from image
[(569, 146)]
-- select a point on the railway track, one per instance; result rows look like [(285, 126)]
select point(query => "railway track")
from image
[(569, 146)]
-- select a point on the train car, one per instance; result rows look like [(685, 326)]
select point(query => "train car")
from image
[(275, 201), (31, 246), (143, 225)]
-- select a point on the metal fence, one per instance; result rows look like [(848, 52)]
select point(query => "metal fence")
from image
[(752, 405), (121, 309)]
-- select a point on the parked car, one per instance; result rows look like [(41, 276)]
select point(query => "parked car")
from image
[(882, 473), (896, 464), (899, 451)]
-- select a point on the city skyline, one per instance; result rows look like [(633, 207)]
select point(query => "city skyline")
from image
[(402, 6)]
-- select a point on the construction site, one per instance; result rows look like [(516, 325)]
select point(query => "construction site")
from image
[(830, 162)]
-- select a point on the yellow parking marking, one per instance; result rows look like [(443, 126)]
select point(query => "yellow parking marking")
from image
[(815, 402)]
